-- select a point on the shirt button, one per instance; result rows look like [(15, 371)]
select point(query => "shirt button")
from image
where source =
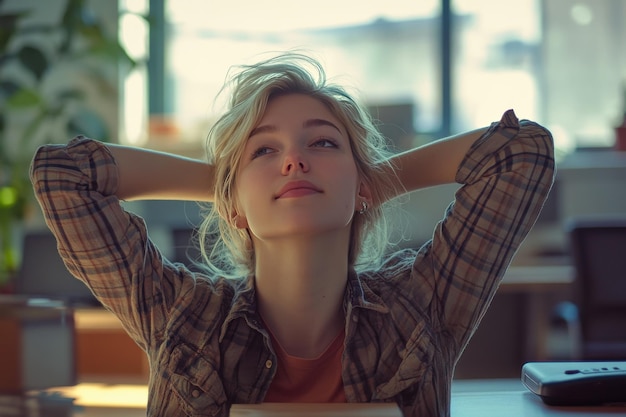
[(195, 393), (268, 364)]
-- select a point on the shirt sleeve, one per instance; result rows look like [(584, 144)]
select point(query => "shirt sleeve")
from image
[(505, 179), (100, 243)]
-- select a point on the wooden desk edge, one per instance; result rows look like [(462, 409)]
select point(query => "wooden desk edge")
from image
[(537, 278)]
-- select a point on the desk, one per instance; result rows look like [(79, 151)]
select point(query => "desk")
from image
[(520, 404), (104, 349), (537, 279), (480, 398)]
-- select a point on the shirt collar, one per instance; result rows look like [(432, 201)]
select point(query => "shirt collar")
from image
[(243, 305), (360, 295)]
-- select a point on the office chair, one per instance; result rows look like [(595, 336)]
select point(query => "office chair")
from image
[(598, 251)]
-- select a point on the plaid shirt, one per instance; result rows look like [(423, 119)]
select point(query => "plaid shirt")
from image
[(406, 323)]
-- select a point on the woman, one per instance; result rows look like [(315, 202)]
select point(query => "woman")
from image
[(299, 303)]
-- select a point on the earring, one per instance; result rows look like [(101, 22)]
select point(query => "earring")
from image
[(363, 207)]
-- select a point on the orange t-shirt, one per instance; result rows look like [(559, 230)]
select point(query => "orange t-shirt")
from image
[(315, 380)]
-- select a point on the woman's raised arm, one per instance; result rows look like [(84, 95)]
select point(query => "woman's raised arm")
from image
[(147, 174), (435, 163)]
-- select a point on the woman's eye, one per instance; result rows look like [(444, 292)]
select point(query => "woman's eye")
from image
[(263, 150), (325, 143)]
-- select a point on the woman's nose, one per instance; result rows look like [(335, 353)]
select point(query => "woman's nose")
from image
[(294, 161)]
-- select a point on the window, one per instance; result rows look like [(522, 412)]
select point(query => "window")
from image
[(555, 61), (389, 47), (134, 36), (495, 61), (583, 70), (559, 62)]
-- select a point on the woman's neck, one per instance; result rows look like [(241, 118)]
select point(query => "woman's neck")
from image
[(300, 288)]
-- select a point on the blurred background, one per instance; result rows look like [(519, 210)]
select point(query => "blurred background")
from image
[(147, 73)]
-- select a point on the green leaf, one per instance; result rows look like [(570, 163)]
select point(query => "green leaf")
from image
[(70, 21), (25, 97), (71, 94), (3, 154), (111, 50), (34, 60), (93, 32), (8, 88), (8, 196), (5, 38), (8, 25)]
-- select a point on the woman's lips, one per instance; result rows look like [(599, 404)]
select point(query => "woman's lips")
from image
[(297, 189)]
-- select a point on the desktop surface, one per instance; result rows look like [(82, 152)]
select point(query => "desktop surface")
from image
[(479, 398), (521, 404)]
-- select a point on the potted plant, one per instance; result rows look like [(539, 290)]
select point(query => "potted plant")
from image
[(49, 73)]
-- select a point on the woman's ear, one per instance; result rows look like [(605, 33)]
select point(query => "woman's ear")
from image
[(239, 221), (364, 195)]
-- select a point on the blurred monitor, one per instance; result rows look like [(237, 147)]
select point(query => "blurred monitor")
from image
[(43, 274), (600, 256), (597, 247)]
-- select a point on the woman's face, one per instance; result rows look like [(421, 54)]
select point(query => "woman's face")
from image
[(297, 175)]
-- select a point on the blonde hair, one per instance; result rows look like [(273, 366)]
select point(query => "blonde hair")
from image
[(253, 86)]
